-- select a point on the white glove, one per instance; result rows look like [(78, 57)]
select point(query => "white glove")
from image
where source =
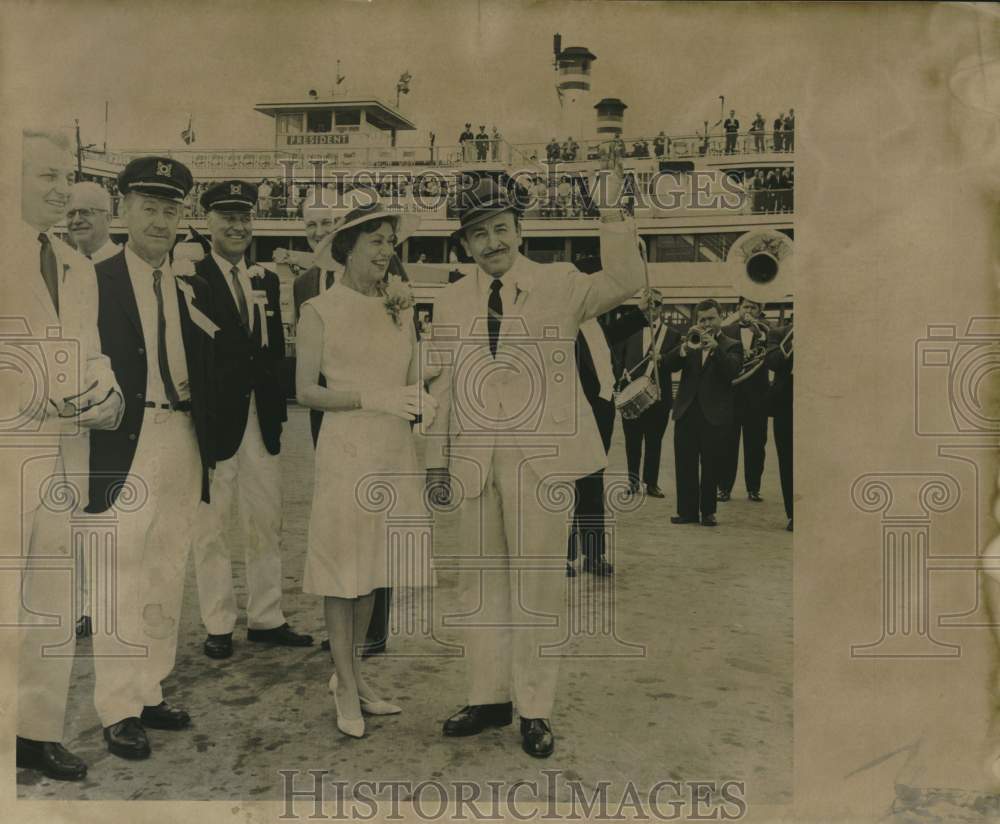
[(405, 402)]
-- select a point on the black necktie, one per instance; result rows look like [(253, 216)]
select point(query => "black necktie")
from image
[(329, 278), (161, 341), (234, 273), (495, 315), (49, 268)]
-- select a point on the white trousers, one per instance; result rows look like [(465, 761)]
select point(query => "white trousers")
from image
[(516, 606), (135, 647), (251, 480), (46, 619)]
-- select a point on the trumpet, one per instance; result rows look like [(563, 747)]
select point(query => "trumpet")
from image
[(696, 336)]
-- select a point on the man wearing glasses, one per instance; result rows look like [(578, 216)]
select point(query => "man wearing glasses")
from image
[(50, 301), (88, 219)]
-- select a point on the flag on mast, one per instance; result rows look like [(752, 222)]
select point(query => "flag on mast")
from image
[(188, 134)]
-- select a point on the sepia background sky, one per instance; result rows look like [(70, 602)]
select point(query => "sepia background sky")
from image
[(488, 62)]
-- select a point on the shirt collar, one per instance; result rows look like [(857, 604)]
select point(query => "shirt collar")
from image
[(31, 232), (520, 275), (225, 266), (139, 268)]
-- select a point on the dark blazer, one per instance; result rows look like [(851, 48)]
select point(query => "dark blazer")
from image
[(112, 452), (780, 396), (306, 286), (242, 365), (751, 394), (709, 385), (631, 352)]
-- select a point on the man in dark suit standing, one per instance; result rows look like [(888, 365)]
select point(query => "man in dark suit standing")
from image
[(732, 129), (645, 433), (150, 472), (780, 361), (319, 222), (587, 536), (250, 411), (749, 411), (703, 411)]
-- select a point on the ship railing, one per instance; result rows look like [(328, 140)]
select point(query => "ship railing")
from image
[(675, 147), (222, 163), (559, 207)]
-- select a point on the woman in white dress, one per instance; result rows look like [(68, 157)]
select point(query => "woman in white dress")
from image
[(364, 343)]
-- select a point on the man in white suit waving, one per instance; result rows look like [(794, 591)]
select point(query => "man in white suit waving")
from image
[(512, 426)]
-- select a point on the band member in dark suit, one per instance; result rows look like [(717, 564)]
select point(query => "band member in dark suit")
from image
[(150, 472), (250, 411), (703, 411), (750, 411), (598, 373), (781, 410), (646, 432)]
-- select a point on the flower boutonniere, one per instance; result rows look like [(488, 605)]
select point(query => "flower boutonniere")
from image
[(397, 296)]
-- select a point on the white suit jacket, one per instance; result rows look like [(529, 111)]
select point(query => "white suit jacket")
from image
[(45, 356), (529, 398)]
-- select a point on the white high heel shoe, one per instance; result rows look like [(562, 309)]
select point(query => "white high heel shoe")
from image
[(354, 727), (378, 707)]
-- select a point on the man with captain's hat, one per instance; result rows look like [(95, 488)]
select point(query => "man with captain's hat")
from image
[(250, 411), (503, 436), (148, 475)]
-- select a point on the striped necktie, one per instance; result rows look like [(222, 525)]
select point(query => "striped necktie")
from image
[(241, 299)]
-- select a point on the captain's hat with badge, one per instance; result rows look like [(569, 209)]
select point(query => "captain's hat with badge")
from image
[(230, 196), (161, 177)]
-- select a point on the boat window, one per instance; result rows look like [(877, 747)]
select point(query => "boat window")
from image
[(319, 122), (290, 123)]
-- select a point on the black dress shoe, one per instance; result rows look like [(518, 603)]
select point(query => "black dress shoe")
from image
[(754, 496), (473, 719), (51, 759), (633, 488), (537, 738), (282, 636), (680, 519), (709, 520), (84, 627), (654, 491), (722, 496), (219, 646), (165, 717), (789, 527), (600, 567), (127, 739)]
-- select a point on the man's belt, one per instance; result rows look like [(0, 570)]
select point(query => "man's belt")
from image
[(180, 406)]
